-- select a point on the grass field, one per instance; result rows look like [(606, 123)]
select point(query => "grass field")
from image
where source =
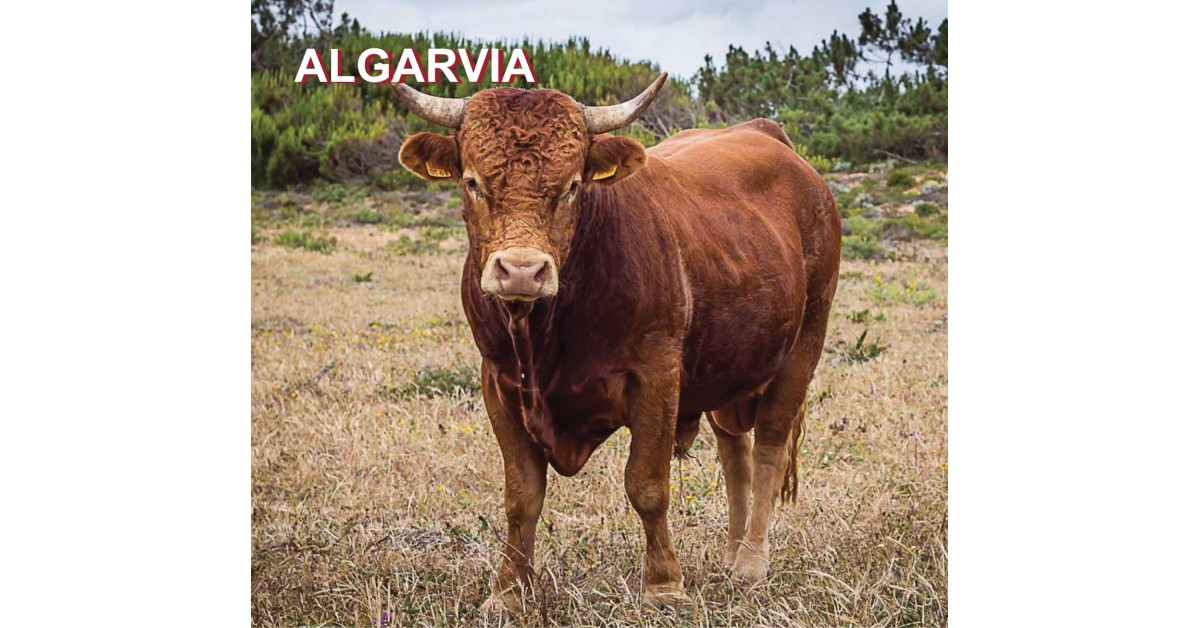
[(377, 482)]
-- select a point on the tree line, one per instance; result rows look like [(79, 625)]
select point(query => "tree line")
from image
[(851, 100)]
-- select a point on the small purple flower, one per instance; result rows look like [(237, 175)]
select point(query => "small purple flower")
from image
[(385, 619)]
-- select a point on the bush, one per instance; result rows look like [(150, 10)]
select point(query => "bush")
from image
[(926, 209), (861, 248), (899, 179), (300, 134), (819, 163), (293, 239), (862, 226)]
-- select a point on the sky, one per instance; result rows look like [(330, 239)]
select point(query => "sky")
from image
[(674, 33)]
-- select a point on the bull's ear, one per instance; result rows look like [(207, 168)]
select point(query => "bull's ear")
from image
[(432, 157), (612, 159)]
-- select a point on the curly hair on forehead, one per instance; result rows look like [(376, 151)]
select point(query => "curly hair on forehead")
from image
[(524, 141)]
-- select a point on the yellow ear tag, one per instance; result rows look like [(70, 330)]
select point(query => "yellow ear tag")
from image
[(606, 174), (436, 172)]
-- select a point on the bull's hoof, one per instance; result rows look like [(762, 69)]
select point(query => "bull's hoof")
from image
[(500, 604), (730, 556), (663, 597), (750, 566)]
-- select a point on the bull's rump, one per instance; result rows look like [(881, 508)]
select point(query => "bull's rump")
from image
[(752, 221)]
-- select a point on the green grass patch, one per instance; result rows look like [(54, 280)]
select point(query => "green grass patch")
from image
[(428, 240), (367, 217), (292, 239), (431, 382), (911, 292)]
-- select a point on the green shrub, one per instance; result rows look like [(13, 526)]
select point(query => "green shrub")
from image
[(899, 179), (361, 278), (292, 161), (293, 239), (819, 163), (926, 209), (854, 247), (862, 226)]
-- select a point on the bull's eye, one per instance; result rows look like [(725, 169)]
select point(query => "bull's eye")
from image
[(570, 194), (472, 187)]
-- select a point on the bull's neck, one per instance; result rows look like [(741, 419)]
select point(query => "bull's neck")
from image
[(585, 282), (585, 279)]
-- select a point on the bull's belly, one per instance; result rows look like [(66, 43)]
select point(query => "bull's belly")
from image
[(724, 365)]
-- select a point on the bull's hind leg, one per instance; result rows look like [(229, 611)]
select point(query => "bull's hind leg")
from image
[(777, 425), (733, 447)]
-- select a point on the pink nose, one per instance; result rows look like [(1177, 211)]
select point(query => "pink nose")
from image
[(520, 273), (521, 277)]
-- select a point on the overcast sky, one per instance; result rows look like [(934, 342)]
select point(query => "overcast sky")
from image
[(674, 33)]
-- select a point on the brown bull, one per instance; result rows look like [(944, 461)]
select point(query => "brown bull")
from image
[(611, 286)]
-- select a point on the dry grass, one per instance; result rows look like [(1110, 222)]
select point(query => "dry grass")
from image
[(377, 500)]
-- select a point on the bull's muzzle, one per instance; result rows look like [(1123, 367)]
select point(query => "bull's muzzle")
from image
[(520, 274)]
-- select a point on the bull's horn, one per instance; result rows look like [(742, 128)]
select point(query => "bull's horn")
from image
[(447, 112), (612, 117)]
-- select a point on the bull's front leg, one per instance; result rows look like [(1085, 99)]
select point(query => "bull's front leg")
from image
[(524, 492), (647, 482)]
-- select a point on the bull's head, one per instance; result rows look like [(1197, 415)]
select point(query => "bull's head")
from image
[(522, 158)]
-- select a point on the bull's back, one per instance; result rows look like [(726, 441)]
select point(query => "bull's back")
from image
[(755, 227)]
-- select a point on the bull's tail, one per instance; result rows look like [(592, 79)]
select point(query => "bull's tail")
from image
[(791, 475)]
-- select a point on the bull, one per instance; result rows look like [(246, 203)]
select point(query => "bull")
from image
[(608, 286)]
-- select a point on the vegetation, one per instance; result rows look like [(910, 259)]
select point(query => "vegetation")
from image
[(860, 351), (293, 239), (428, 382), (836, 105)]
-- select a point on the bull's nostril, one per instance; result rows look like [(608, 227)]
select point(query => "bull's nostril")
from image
[(501, 271), (541, 273)]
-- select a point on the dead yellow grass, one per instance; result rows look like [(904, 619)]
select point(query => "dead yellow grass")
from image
[(374, 504)]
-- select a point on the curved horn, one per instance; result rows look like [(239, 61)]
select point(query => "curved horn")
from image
[(605, 119), (447, 112)]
